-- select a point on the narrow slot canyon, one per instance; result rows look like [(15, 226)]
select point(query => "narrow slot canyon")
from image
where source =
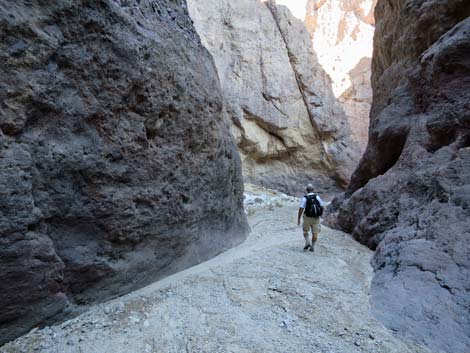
[(154, 154)]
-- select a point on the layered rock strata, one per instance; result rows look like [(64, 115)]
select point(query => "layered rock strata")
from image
[(342, 32), (116, 165), (410, 196), (289, 127)]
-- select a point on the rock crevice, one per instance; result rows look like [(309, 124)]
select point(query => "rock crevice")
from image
[(342, 33), (293, 61)]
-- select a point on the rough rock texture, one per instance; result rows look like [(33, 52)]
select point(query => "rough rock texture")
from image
[(116, 166), (265, 295), (289, 126), (410, 196), (342, 33)]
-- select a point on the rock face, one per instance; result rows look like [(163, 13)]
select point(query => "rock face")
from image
[(116, 165), (342, 32), (289, 127), (410, 196)]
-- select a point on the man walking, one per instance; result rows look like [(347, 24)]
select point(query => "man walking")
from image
[(311, 207)]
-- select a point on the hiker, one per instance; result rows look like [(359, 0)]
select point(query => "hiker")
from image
[(311, 207)]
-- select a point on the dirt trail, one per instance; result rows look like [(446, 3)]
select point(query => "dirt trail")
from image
[(266, 295)]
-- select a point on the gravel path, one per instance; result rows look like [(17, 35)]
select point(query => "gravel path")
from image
[(266, 295)]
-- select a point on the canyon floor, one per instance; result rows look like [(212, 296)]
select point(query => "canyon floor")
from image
[(266, 295)]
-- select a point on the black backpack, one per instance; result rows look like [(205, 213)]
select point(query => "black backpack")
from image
[(313, 208)]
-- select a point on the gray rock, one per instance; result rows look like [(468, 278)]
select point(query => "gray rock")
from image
[(116, 164), (409, 196)]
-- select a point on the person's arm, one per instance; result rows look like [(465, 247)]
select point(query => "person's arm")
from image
[(301, 209), (299, 216), (320, 201)]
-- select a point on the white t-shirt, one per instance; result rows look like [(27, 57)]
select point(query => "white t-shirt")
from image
[(303, 202)]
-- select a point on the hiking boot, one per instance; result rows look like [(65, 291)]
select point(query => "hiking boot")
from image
[(307, 246), (311, 248)]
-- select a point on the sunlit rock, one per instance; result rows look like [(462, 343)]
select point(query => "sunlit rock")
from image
[(289, 127), (342, 32)]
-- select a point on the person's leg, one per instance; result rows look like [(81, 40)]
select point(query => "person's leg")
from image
[(307, 242), (315, 231), (305, 227), (314, 238)]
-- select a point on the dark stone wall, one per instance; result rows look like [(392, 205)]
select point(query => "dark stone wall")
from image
[(116, 165), (410, 196)]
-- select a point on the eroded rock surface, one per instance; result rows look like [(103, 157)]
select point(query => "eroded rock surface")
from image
[(116, 166), (410, 195), (342, 32), (289, 127)]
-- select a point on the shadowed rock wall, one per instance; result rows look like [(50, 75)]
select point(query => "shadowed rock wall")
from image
[(290, 129), (116, 166), (410, 196)]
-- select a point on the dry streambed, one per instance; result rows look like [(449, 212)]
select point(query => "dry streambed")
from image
[(266, 295)]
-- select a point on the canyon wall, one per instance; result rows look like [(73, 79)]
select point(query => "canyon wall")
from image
[(116, 165), (410, 195), (342, 32), (289, 127)]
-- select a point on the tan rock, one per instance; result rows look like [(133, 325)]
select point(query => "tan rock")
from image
[(342, 32), (289, 127)]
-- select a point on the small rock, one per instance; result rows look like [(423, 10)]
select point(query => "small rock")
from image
[(134, 319)]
